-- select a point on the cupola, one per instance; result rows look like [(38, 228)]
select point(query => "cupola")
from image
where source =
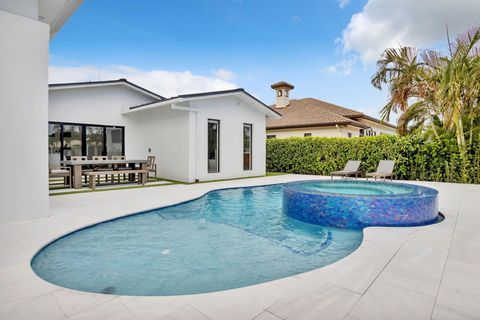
[(282, 89)]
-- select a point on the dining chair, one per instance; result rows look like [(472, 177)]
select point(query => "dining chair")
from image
[(151, 166)]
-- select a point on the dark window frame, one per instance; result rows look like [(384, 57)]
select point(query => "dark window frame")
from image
[(271, 136), (84, 135), (307, 134), (250, 146), (217, 121)]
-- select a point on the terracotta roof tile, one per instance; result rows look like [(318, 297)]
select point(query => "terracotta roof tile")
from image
[(311, 112)]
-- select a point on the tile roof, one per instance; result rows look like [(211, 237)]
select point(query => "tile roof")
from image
[(310, 112)]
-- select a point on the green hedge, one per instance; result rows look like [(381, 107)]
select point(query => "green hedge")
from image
[(416, 158)]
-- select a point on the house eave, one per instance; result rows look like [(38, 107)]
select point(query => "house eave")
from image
[(90, 84), (366, 117), (240, 93)]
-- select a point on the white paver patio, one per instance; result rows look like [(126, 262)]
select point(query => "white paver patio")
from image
[(430, 272)]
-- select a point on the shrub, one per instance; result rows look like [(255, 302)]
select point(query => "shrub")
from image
[(417, 158)]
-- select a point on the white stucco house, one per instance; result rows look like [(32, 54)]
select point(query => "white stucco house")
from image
[(194, 137), (26, 27)]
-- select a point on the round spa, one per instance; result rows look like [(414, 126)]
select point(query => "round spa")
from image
[(359, 204)]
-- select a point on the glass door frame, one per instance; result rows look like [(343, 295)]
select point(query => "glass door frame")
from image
[(84, 136)]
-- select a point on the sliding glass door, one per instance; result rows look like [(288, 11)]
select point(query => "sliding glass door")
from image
[(213, 146), (72, 139)]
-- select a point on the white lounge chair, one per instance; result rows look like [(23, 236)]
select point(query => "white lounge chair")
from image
[(351, 168), (384, 170)]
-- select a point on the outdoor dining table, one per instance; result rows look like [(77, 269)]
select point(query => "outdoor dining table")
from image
[(77, 166)]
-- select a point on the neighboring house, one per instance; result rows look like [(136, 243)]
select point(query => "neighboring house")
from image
[(313, 117), (194, 137), (26, 28)]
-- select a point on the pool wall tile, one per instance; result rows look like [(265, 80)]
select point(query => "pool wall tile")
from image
[(418, 207)]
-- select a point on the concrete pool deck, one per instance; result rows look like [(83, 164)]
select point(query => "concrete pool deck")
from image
[(429, 272)]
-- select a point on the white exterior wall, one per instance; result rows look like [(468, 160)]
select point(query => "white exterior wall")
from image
[(165, 132), (377, 127), (232, 113), (316, 132), (23, 117), (92, 104)]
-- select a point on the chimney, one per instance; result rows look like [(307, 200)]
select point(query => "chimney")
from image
[(281, 89)]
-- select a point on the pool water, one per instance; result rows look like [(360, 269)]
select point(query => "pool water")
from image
[(355, 188), (226, 239)]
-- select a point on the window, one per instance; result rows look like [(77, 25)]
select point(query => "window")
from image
[(285, 93), (271, 136), (368, 132), (73, 139), (349, 134), (279, 93), (362, 132), (247, 146), (307, 134), (213, 146)]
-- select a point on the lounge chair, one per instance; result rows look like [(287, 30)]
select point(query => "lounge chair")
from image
[(384, 170), (351, 168)]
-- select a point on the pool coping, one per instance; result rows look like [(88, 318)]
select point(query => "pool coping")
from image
[(277, 293)]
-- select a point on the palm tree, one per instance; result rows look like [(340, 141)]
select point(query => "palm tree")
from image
[(409, 80), (424, 85), (458, 90)]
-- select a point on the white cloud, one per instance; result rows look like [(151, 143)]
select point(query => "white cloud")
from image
[(163, 82), (224, 74), (296, 18), (420, 23), (343, 3), (343, 68)]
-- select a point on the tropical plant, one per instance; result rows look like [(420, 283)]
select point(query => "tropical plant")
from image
[(429, 89)]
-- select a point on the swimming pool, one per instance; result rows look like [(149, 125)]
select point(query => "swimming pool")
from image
[(226, 239)]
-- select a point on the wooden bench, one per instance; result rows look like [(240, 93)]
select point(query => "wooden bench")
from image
[(93, 174)]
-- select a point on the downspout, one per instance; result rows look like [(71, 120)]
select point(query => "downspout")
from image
[(182, 108)]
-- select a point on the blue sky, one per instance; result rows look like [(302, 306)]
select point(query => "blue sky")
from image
[(315, 45)]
